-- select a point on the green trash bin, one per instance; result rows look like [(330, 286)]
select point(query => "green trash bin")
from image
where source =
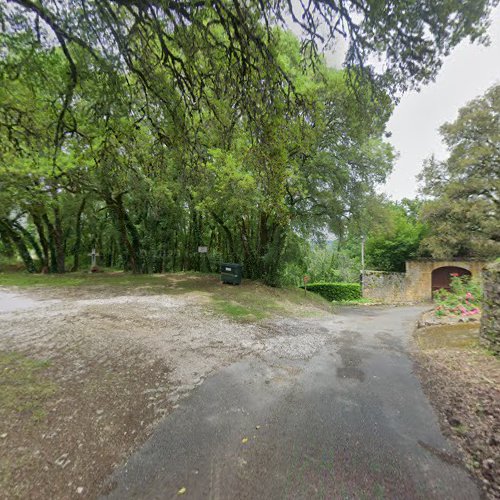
[(231, 273)]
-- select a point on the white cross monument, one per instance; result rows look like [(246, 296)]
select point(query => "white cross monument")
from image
[(94, 256)]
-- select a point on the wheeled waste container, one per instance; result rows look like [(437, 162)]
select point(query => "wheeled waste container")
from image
[(231, 273)]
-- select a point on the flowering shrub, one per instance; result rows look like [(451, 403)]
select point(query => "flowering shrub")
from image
[(463, 299)]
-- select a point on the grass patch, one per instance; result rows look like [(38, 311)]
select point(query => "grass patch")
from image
[(460, 429), (77, 279), (28, 280), (352, 302), (252, 300), (172, 283), (23, 385), (238, 311)]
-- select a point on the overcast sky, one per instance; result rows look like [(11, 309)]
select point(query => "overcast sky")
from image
[(467, 73)]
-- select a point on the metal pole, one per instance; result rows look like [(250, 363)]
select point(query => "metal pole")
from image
[(362, 277), (362, 253)]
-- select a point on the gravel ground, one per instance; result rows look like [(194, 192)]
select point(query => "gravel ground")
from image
[(119, 362)]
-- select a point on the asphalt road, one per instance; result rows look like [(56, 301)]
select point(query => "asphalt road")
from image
[(349, 422)]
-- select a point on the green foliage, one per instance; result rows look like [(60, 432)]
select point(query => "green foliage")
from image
[(186, 41), (339, 292), (120, 132), (462, 192), (148, 192), (396, 240), (463, 299), (321, 262)]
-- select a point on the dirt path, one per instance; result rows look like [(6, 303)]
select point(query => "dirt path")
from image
[(462, 380), (118, 360)]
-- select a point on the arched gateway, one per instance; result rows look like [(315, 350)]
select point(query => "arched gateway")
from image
[(421, 279), (441, 276)]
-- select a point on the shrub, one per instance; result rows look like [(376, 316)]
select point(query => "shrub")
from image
[(463, 299), (336, 291)]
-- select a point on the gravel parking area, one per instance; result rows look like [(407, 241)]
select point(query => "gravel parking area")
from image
[(110, 364)]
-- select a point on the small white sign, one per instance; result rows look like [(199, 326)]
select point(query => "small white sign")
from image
[(202, 249)]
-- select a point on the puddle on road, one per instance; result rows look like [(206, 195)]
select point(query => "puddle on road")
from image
[(439, 336), (351, 359), (351, 372)]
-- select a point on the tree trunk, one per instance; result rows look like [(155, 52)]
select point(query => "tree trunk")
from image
[(137, 266), (130, 251), (229, 236), (52, 247), (78, 236), (43, 241), (59, 240), (253, 264), (272, 258), (12, 234), (174, 252), (31, 239)]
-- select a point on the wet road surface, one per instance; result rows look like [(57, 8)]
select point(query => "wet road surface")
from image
[(349, 422)]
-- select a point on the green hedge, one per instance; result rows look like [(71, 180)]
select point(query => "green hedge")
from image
[(336, 291)]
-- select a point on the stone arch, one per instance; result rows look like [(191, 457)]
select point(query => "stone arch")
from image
[(467, 265), (441, 276)]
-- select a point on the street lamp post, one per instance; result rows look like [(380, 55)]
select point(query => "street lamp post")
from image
[(362, 273), (362, 253)]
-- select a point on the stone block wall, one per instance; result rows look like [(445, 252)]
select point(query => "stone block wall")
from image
[(490, 318), (415, 285), (381, 286)]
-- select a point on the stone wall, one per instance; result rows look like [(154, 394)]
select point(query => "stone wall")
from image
[(490, 319), (419, 273), (381, 286), (415, 285)]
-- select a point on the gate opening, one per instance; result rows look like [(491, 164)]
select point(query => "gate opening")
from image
[(441, 277)]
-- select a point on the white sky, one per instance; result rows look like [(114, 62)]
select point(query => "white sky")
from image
[(467, 73)]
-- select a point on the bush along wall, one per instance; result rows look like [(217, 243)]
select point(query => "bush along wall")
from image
[(340, 292)]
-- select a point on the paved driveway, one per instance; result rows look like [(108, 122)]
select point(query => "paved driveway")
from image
[(351, 421)]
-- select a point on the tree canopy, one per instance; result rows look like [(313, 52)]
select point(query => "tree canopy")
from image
[(149, 187), (147, 129), (463, 192), (187, 37)]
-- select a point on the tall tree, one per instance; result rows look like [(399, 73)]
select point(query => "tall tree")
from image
[(395, 237), (463, 192)]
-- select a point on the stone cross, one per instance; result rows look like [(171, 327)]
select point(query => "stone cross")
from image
[(94, 256)]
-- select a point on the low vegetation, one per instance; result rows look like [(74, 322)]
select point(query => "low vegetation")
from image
[(24, 386), (338, 292), (463, 298)]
